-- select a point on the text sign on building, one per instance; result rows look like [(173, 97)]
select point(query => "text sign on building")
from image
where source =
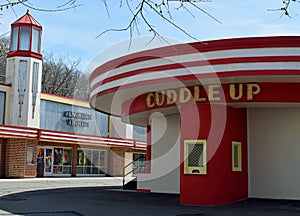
[(210, 93), (77, 119)]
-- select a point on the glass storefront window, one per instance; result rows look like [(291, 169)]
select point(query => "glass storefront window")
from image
[(62, 161), (67, 157), (56, 116), (48, 163), (91, 162), (102, 158)]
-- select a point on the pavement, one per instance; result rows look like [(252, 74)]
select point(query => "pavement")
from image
[(104, 196)]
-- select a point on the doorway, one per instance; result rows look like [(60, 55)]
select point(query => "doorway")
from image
[(274, 153)]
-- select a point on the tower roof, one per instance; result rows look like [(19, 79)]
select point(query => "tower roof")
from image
[(27, 19)]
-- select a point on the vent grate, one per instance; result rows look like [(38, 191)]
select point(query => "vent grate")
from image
[(195, 156)]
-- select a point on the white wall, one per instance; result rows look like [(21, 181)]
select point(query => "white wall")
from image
[(165, 156), (274, 148), (120, 129), (12, 77)]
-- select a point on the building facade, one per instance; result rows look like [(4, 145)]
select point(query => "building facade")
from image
[(222, 116), (49, 135)]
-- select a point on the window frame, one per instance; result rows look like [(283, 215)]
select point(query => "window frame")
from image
[(88, 168), (237, 168), (30, 155), (198, 170)]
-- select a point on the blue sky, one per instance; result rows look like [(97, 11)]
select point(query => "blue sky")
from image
[(72, 33)]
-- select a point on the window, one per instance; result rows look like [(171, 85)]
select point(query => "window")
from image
[(25, 38), (22, 84), (91, 162), (236, 156), (14, 39), (34, 90), (52, 118), (195, 157), (36, 41), (62, 161), (30, 156), (139, 133), (139, 162), (22, 74)]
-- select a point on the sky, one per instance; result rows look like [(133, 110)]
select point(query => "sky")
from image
[(73, 33)]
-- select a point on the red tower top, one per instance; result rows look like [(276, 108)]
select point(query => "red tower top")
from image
[(25, 39)]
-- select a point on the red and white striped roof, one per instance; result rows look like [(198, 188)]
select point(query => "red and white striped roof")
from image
[(8, 131), (261, 59)]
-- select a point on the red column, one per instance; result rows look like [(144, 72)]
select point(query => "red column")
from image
[(219, 125)]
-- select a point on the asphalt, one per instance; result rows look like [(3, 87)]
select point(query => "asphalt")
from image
[(104, 196)]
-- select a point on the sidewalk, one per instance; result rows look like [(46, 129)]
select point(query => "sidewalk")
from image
[(8, 186)]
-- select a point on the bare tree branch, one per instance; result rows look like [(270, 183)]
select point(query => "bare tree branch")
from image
[(160, 8), (286, 7), (70, 4)]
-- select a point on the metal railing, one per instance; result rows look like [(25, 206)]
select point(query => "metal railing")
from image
[(134, 168)]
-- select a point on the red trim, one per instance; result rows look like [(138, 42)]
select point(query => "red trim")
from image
[(241, 73), (39, 135), (15, 131), (143, 190), (198, 63), (4, 84), (18, 127), (215, 45), (58, 136), (140, 144), (24, 53)]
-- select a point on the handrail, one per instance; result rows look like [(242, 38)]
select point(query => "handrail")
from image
[(133, 169)]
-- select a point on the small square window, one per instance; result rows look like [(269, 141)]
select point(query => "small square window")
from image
[(195, 157), (236, 156)]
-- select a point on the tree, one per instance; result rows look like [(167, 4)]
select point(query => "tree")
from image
[(4, 47), (62, 77), (59, 76)]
